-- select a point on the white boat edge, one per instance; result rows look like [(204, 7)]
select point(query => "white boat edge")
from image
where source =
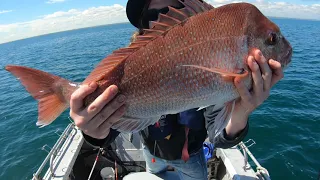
[(62, 156)]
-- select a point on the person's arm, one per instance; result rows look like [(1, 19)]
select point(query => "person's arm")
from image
[(96, 120), (265, 74), (222, 140), (113, 134)]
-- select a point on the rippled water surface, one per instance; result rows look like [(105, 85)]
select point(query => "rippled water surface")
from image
[(286, 127)]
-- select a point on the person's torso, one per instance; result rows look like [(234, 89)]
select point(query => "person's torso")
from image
[(166, 138)]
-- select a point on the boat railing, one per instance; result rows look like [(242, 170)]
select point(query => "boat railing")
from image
[(261, 172), (52, 152)]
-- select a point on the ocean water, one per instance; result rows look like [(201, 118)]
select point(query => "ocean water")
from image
[(286, 128)]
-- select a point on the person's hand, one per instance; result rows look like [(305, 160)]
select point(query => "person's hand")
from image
[(96, 119), (265, 75)]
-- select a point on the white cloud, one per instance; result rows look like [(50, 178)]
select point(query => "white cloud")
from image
[(62, 21), (54, 1), (75, 18), (280, 9), (61, 14), (5, 11)]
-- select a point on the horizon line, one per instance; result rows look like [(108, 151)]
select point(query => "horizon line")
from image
[(126, 22)]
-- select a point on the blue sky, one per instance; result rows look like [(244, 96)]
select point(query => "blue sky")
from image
[(32, 9), (21, 19)]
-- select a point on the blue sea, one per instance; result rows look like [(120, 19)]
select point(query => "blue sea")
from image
[(286, 128)]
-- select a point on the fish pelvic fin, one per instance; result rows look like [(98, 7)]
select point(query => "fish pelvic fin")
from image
[(128, 124), (201, 108), (49, 90), (223, 118), (227, 76)]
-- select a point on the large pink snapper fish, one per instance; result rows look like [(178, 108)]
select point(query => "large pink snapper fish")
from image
[(188, 59)]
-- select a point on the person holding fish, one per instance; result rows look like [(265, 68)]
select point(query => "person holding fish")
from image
[(165, 141), (204, 70)]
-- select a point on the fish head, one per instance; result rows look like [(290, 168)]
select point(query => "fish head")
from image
[(266, 36)]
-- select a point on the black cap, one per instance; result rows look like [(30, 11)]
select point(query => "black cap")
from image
[(134, 11), (141, 19)]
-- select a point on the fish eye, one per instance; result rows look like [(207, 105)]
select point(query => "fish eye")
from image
[(272, 39)]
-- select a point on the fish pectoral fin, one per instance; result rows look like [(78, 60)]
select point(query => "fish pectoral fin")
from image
[(223, 117), (227, 76)]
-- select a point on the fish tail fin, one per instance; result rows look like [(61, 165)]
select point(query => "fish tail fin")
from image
[(48, 89), (223, 118)]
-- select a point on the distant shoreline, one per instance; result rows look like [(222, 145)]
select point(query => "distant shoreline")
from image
[(133, 27), (64, 31)]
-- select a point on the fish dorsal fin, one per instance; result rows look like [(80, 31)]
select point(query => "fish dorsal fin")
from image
[(177, 16), (157, 29)]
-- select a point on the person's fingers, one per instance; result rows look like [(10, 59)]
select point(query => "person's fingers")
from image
[(108, 111), (76, 100), (96, 106), (115, 117), (277, 72), (256, 76), (266, 72), (242, 90)]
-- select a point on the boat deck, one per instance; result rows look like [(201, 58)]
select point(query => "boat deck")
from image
[(72, 158)]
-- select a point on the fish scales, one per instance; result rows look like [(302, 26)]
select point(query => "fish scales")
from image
[(161, 61)]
